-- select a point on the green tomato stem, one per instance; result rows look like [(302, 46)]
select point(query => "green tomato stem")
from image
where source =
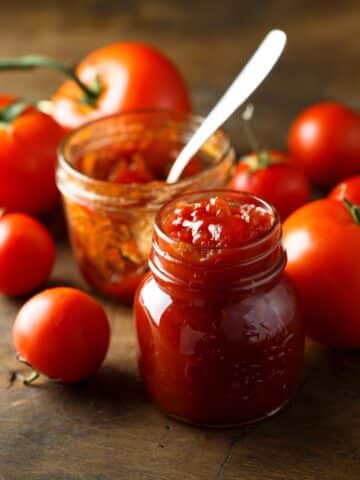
[(33, 375), (14, 110), (264, 159), (28, 62), (258, 161), (353, 209)]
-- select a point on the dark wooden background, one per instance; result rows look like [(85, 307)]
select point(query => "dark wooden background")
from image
[(107, 429)]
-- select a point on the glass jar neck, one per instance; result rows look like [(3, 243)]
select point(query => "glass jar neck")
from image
[(160, 134), (236, 271)]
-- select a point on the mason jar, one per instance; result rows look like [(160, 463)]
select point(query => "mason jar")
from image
[(110, 223), (221, 340)]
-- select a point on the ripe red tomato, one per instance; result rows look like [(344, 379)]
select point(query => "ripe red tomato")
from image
[(131, 76), (62, 333), (28, 156), (349, 189), (269, 175), (324, 141), (322, 240), (27, 254)]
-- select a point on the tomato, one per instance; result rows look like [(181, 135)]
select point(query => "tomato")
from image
[(28, 156), (129, 76), (62, 333), (324, 141), (269, 175), (322, 240), (27, 254), (349, 189)]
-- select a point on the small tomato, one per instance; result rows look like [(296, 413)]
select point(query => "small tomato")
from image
[(28, 156), (269, 175), (324, 142), (27, 254), (62, 333)]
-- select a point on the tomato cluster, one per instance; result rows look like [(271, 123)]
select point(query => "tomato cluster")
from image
[(117, 78), (324, 148), (322, 238)]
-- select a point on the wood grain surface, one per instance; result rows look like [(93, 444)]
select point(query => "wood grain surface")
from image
[(107, 428)]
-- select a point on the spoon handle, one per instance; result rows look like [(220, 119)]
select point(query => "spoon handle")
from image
[(250, 77)]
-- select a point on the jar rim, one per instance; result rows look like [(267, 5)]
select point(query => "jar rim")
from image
[(193, 120), (158, 226)]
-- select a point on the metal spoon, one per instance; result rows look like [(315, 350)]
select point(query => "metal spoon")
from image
[(250, 77)]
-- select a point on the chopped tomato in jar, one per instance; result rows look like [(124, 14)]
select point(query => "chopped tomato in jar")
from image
[(214, 223)]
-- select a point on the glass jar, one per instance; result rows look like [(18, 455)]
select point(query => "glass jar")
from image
[(220, 338), (110, 224)]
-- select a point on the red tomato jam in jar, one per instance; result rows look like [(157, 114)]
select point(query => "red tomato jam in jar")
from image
[(220, 338)]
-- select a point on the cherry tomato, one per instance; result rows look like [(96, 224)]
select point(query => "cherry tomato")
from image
[(322, 240), (130, 76), (269, 175), (324, 142), (62, 333), (28, 156), (349, 189), (27, 254)]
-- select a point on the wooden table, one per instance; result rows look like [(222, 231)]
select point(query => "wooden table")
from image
[(107, 428)]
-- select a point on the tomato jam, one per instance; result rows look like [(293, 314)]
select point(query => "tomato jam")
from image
[(216, 223), (220, 337), (130, 164), (112, 177)]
